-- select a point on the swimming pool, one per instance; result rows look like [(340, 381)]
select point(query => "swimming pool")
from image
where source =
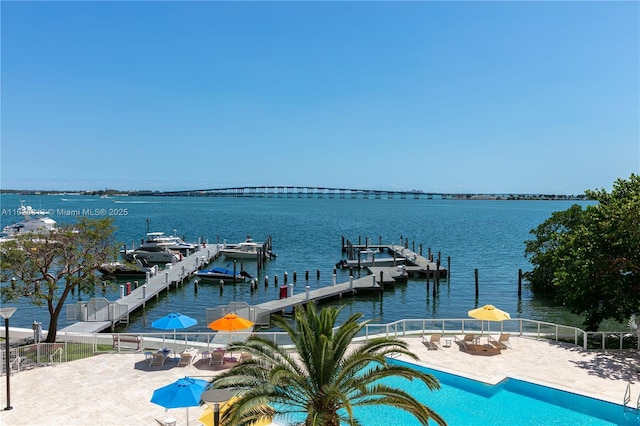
[(462, 401)]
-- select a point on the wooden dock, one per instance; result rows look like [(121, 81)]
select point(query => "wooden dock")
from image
[(95, 317)]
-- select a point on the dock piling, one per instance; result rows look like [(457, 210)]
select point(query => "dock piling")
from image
[(519, 283), (475, 272)]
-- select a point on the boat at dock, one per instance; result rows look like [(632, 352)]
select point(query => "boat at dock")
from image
[(152, 255), (157, 240), (246, 250), (32, 221), (159, 248), (219, 273), (139, 268)]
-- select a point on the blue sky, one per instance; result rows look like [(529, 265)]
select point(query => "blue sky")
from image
[(480, 97)]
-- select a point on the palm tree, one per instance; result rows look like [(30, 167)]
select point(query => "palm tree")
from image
[(325, 377)]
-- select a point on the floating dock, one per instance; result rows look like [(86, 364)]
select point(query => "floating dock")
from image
[(379, 277), (416, 265), (96, 315)]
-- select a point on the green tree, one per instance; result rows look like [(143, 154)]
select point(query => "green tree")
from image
[(589, 259), (325, 377), (48, 266)]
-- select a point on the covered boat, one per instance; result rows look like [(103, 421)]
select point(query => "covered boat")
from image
[(222, 274)]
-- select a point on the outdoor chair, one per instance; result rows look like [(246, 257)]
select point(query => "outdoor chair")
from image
[(244, 356), (216, 357), (157, 359), (467, 341), (502, 342), (433, 343), (185, 359)]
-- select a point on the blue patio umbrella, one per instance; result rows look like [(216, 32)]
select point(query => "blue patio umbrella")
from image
[(173, 321), (183, 393)]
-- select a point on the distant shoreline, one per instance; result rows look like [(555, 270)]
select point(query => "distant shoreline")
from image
[(278, 192)]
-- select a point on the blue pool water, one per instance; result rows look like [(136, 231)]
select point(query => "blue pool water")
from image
[(462, 401)]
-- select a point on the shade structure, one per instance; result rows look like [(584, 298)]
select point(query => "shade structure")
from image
[(208, 416), (489, 313), (174, 321), (230, 322), (183, 393)]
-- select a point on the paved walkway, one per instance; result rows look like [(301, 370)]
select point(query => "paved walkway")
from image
[(115, 389)]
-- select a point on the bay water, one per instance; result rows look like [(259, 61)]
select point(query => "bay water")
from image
[(487, 235)]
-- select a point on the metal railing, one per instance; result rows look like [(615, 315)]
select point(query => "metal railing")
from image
[(72, 346), (97, 309)]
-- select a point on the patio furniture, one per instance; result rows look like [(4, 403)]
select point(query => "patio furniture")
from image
[(467, 340), (433, 343), (216, 357), (502, 342), (157, 359)]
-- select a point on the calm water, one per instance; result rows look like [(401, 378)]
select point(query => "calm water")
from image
[(488, 235)]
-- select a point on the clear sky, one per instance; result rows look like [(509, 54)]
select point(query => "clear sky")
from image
[(480, 97)]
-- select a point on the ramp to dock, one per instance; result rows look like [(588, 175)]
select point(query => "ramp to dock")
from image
[(118, 311)]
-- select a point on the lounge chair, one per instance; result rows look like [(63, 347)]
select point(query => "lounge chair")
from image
[(216, 357), (502, 342), (157, 359), (433, 343), (467, 341), (244, 356), (185, 359)]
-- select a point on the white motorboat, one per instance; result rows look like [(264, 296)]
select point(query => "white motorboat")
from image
[(118, 269), (152, 255), (170, 242), (158, 248), (247, 250), (30, 223)]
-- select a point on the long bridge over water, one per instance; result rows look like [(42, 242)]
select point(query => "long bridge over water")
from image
[(326, 192)]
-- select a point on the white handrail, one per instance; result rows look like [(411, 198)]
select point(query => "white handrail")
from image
[(627, 395)]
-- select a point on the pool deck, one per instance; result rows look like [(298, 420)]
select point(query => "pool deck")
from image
[(115, 389)]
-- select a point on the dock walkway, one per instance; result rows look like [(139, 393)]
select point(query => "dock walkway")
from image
[(416, 264), (145, 292), (366, 283)]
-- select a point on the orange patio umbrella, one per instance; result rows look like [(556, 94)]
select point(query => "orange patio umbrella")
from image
[(230, 322)]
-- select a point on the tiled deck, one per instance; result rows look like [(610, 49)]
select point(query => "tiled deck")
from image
[(115, 389)]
